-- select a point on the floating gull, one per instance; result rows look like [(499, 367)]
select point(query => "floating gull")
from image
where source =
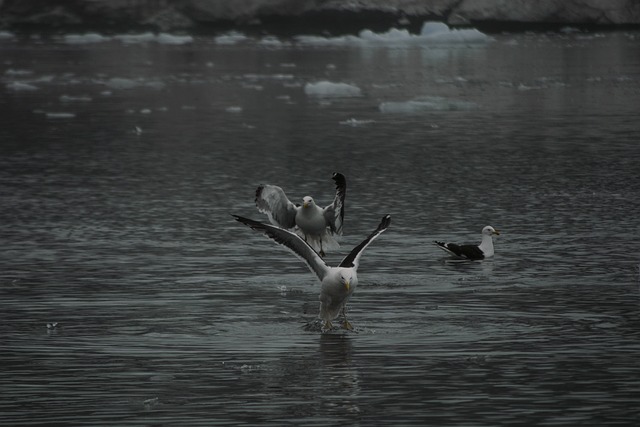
[(338, 283), (472, 252), (313, 223)]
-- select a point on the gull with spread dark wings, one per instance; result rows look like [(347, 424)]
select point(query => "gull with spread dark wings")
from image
[(316, 225), (338, 283)]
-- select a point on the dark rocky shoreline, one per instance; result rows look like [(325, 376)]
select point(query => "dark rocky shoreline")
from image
[(284, 17)]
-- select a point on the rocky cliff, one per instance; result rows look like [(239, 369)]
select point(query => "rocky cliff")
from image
[(311, 15)]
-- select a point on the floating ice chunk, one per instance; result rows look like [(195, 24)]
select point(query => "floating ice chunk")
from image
[(60, 115), (85, 38), (165, 38), (440, 32), (431, 33), (124, 83), (135, 38), (148, 37), (67, 98), (327, 89), (433, 27), (272, 41), (232, 37), (392, 35), (21, 86), (234, 109), (427, 103), (121, 83), (5, 35), (355, 122), (15, 72), (321, 41)]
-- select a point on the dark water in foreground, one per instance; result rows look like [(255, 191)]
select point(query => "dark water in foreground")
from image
[(121, 164)]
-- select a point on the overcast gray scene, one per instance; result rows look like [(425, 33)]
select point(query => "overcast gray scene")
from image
[(133, 130)]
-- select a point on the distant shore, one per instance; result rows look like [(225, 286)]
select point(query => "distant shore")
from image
[(283, 17)]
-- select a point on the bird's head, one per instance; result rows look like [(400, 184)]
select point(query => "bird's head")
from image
[(307, 201), (346, 280), (490, 231)]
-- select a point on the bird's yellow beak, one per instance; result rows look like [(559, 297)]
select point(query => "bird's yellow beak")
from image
[(347, 285), (496, 232), (305, 205)]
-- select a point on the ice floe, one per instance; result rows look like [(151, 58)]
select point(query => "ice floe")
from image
[(21, 87), (124, 83), (69, 98), (425, 104), (327, 89), (431, 33), (60, 115), (230, 38), (161, 38), (85, 38), (355, 122)]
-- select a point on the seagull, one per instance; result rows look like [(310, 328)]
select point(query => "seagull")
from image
[(338, 283), (314, 224), (472, 252)]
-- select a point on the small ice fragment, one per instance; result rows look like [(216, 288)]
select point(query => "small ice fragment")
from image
[(230, 38), (61, 115), (234, 109), (327, 89), (355, 122), (164, 38), (84, 38), (68, 98), (52, 325), (20, 86)]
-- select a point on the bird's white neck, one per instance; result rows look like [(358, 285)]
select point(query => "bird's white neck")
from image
[(486, 246)]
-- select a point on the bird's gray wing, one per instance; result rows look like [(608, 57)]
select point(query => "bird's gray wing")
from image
[(334, 213), (353, 259), (271, 200), (292, 241)]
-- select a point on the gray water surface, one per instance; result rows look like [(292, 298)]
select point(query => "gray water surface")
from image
[(121, 163)]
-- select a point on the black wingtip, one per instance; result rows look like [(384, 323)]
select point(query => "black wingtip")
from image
[(340, 180), (248, 222), (259, 192), (385, 222)]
